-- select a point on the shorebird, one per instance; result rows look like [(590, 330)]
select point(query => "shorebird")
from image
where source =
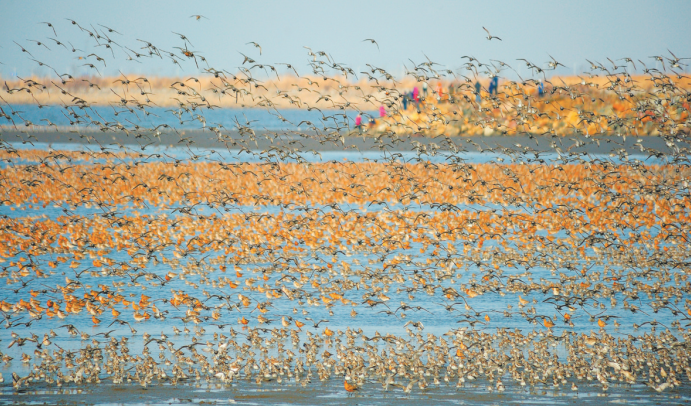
[(489, 36), (371, 41)]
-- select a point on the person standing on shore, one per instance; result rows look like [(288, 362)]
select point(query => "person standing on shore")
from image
[(404, 101), (477, 91), (424, 89), (382, 111), (358, 123)]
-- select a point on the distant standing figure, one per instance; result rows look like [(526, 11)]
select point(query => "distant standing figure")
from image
[(440, 91), (382, 111), (416, 95), (494, 85), (541, 89), (358, 122), (424, 89), (477, 91), (404, 100)]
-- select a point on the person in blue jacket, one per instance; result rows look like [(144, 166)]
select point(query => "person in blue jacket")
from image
[(494, 85)]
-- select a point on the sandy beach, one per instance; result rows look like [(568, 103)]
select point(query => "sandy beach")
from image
[(166, 91)]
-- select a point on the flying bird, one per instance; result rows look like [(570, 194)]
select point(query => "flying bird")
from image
[(372, 41), (256, 45), (490, 36)]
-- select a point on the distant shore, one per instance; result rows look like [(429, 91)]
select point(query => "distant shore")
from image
[(443, 106), (285, 92)]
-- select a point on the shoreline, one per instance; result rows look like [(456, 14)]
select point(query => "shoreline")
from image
[(305, 142), (329, 392)]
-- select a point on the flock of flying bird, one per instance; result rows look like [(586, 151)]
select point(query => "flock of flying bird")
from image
[(130, 263)]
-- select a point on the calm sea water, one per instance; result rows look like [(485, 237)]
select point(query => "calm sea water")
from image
[(258, 118)]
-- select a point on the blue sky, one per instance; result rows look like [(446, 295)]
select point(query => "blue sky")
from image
[(442, 30)]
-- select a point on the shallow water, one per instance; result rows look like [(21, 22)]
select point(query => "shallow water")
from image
[(332, 393), (385, 318)]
